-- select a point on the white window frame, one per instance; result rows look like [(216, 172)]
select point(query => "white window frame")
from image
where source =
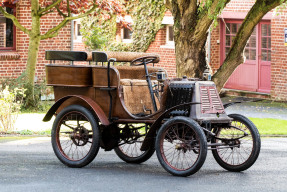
[(125, 40), (168, 42), (77, 38)]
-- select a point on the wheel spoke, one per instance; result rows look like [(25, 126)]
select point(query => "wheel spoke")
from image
[(64, 123)]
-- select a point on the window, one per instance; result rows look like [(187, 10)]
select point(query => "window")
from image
[(7, 31), (266, 42), (251, 49), (169, 35), (126, 35), (77, 30)]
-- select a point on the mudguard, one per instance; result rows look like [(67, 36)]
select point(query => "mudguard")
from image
[(95, 107)]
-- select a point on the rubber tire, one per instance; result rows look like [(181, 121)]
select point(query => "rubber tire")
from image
[(256, 146), (96, 137), (136, 160), (203, 146)]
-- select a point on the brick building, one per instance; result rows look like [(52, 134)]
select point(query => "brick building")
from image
[(264, 73), (265, 69), (14, 43)]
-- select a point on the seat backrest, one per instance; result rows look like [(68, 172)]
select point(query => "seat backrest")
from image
[(99, 56), (66, 55)]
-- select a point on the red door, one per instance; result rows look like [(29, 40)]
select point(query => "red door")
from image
[(265, 58), (254, 74)]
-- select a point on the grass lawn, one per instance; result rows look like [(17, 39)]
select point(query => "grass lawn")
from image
[(268, 126)]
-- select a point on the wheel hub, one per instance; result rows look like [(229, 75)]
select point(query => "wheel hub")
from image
[(233, 143), (80, 136), (183, 146)]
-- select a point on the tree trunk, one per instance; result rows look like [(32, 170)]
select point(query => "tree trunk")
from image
[(34, 43), (190, 56), (191, 26)]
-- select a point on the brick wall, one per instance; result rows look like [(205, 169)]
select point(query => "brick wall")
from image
[(215, 49), (2, 35), (167, 53), (279, 57), (239, 5), (12, 67)]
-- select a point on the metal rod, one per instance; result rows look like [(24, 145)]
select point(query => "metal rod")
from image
[(109, 92), (150, 86)]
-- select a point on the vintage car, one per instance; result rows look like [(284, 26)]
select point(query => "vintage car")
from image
[(136, 110)]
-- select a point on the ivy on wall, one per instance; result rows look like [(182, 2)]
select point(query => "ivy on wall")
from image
[(147, 16), (98, 33)]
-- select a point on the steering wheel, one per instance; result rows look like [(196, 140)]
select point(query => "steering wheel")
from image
[(143, 60)]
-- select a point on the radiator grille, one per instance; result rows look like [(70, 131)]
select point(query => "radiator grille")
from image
[(179, 94), (210, 101)]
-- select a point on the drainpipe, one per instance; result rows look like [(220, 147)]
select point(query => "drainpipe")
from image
[(209, 47), (72, 35)]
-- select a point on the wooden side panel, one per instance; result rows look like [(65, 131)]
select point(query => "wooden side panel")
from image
[(75, 76)]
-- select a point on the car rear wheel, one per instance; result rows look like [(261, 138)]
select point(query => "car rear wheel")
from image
[(75, 136)]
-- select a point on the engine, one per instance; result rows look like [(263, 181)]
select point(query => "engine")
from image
[(204, 92)]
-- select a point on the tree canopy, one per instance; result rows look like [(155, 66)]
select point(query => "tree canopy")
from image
[(193, 19), (67, 10)]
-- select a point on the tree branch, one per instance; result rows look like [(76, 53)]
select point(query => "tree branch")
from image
[(65, 21), (60, 12), (167, 4), (15, 21), (207, 17), (51, 11), (51, 35), (68, 8), (49, 7)]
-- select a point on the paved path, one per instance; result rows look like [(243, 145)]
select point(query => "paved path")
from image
[(30, 165), (254, 109), (32, 122)]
